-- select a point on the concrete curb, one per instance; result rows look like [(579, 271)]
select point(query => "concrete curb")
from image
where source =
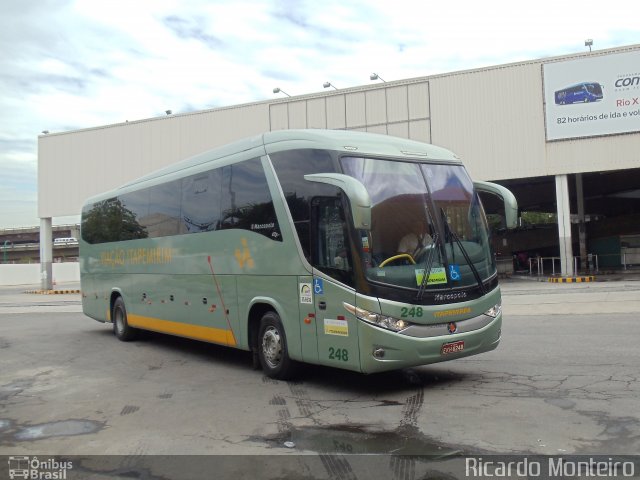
[(53, 292), (572, 279)]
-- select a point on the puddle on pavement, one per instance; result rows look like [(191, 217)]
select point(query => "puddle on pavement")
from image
[(62, 428), (15, 388), (346, 439)]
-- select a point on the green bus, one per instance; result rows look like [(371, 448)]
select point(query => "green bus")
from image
[(297, 245)]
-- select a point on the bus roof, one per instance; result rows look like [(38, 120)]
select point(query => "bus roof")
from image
[(578, 85), (356, 143)]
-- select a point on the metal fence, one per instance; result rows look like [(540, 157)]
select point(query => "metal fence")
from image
[(589, 265)]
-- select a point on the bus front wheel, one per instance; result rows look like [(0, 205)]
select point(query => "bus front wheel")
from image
[(121, 327), (272, 348)]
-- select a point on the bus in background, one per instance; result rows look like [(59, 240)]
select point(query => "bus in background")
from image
[(580, 93), (65, 241), (288, 245)]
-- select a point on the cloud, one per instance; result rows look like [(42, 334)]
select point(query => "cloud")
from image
[(18, 189), (70, 64), (192, 29)]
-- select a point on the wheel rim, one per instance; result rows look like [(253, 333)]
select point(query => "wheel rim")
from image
[(272, 347)]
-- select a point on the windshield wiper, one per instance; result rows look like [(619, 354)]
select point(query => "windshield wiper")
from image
[(427, 267), (453, 236)]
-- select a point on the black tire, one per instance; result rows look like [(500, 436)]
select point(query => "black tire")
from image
[(121, 327), (272, 348)]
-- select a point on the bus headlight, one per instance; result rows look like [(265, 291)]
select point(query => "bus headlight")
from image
[(377, 319), (494, 311)]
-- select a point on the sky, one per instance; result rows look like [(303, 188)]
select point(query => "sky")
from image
[(73, 64)]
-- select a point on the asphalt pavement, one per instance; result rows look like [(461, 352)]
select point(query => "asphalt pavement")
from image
[(521, 295), (563, 381), (609, 294)]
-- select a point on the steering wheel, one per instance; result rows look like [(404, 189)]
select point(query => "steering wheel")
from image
[(397, 257)]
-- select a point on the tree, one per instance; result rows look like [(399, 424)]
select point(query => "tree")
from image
[(110, 221)]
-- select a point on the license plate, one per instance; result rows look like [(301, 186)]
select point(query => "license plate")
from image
[(453, 347)]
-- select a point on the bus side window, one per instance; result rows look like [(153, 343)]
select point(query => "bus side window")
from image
[(330, 241), (291, 166), (246, 200)]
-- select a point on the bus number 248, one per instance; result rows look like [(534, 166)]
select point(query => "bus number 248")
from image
[(411, 312), (338, 354)]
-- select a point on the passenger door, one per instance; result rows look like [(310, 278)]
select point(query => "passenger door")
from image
[(333, 284)]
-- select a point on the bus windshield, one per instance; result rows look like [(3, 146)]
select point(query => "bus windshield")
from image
[(428, 229), (594, 88)]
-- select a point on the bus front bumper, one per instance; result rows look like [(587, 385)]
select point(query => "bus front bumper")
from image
[(382, 350)]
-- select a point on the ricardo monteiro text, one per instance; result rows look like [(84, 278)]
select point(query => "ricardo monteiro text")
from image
[(553, 467)]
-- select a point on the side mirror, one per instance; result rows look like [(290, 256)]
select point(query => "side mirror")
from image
[(509, 200), (356, 193)]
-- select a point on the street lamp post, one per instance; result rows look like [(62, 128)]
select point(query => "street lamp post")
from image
[(279, 90), (4, 250)]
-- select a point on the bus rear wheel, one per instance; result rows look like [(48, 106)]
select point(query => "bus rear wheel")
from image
[(272, 348), (121, 327)]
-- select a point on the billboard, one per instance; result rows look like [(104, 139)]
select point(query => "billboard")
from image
[(598, 95)]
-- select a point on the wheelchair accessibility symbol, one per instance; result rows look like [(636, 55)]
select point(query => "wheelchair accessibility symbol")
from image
[(454, 272), (318, 286)]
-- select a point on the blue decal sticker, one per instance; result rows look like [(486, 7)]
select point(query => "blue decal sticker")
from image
[(454, 272), (318, 286)]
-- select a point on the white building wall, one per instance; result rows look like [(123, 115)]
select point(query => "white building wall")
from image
[(420, 130), (336, 112), (298, 114), (356, 110), (493, 118), (76, 165), (418, 100), (279, 116), (29, 274), (397, 104), (614, 152), (400, 129), (317, 113), (381, 129), (376, 107)]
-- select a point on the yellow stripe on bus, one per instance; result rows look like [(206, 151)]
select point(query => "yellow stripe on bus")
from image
[(197, 332)]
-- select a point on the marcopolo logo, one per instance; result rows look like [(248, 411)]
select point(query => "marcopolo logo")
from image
[(38, 469)]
